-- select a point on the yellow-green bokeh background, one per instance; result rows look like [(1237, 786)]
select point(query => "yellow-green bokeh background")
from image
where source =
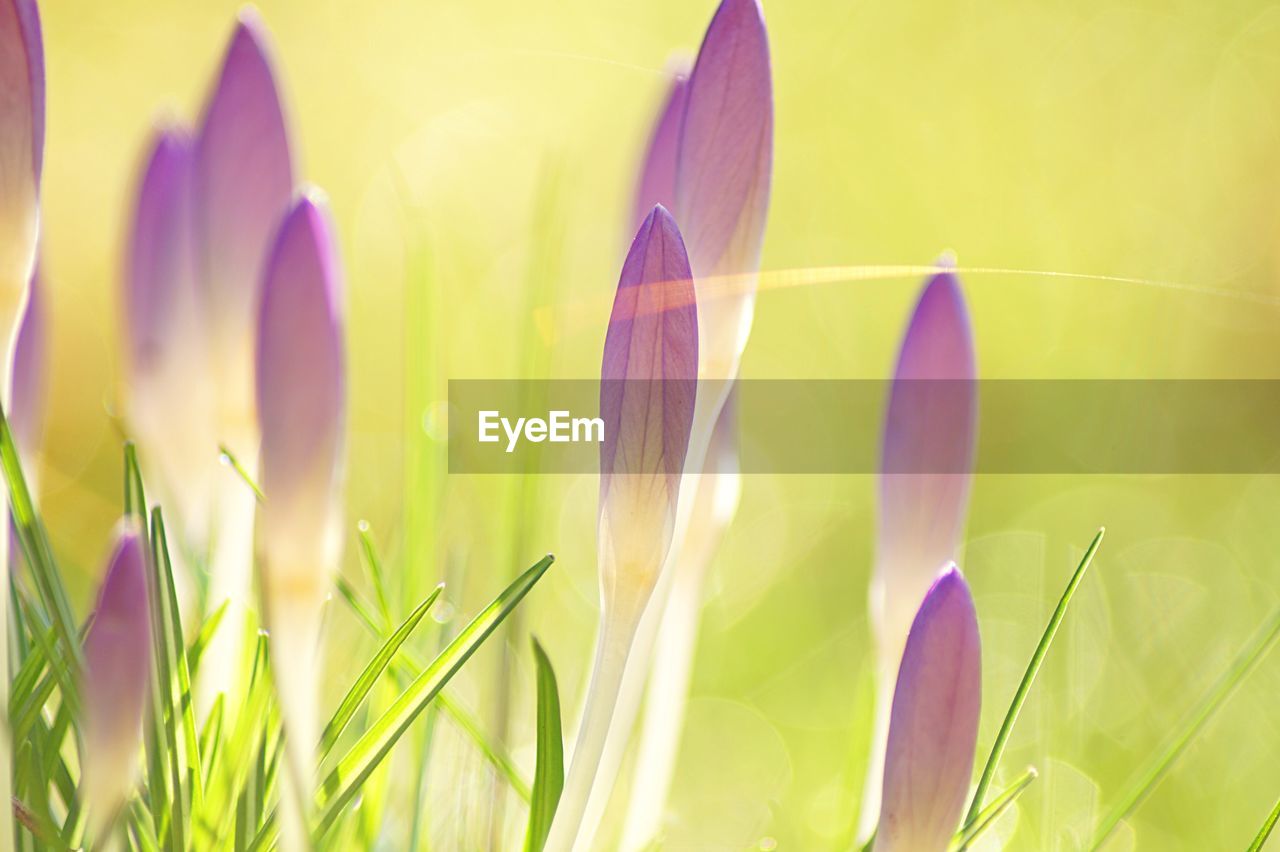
[(474, 149)]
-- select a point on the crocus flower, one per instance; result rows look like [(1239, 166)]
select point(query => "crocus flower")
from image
[(723, 151), (657, 181), (21, 161), (715, 503), (928, 446), (723, 168), (29, 379), (934, 725), (647, 397), (117, 655), (243, 183), (169, 390), (21, 155), (301, 405)]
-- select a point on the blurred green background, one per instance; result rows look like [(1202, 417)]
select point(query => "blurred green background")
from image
[(479, 157)]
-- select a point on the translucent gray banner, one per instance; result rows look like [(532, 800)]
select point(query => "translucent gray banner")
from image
[(837, 426)]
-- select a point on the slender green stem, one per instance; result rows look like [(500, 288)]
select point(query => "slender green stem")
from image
[(988, 816), (1265, 831), (1028, 678), (1159, 766)]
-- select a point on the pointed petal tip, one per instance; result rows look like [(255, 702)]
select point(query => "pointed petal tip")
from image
[(947, 260)]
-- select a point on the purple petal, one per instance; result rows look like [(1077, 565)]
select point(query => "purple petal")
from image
[(160, 284), (726, 144), (117, 653), (650, 367), (648, 387), (243, 185), (657, 183), (927, 455), (22, 92), (300, 374), (29, 375), (933, 728)]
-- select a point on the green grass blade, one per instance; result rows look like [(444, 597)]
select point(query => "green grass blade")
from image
[(211, 738), (356, 695), (204, 637), (1028, 678), (343, 782), (1265, 832), (992, 812), (548, 777), (1209, 705), (407, 667), (374, 566), (135, 496), (163, 569), (166, 712), (39, 557), (230, 459)]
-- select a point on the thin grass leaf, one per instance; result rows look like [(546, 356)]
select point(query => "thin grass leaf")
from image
[(163, 568), (343, 782), (374, 566), (407, 667), (229, 458), (211, 738), (1028, 678), (1265, 832), (207, 630), (39, 557), (548, 777), (135, 496), (992, 812), (1209, 705), (356, 695), (140, 827), (219, 817)]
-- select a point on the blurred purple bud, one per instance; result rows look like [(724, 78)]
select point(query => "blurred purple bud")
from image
[(160, 287), (22, 95), (21, 151), (30, 375), (933, 728), (726, 144), (243, 182), (648, 389), (117, 653), (301, 389), (930, 427), (657, 182)]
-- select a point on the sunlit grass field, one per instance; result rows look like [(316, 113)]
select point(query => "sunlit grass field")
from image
[(479, 159)]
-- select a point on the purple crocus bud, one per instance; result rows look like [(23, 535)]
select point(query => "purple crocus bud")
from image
[(301, 392), (929, 434), (301, 405), (723, 167), (243, 184), (168, 389), (117, 655), (648, 387), (934, 725), (927, 453), (29, 378), (21, 152), (657, 181)]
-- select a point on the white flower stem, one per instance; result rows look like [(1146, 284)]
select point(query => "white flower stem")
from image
[(664, 707), (618, 627), (231, 564), (294, 638)]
